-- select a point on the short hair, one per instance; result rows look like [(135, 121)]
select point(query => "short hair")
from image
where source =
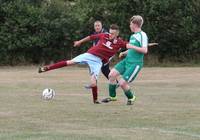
[(114, 27), (137, 19), (98, 21)]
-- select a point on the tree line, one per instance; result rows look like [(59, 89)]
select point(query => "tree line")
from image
[(41, 31)]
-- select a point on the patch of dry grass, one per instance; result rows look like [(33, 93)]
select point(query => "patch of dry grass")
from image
[(167, 106)]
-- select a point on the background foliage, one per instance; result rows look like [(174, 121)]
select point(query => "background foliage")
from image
[(41, 31)]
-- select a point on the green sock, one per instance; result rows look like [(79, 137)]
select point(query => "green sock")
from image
[(112, 90), (128, 94)]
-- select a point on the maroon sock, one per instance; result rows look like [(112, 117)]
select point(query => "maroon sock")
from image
[(57, 65), (94, 93)]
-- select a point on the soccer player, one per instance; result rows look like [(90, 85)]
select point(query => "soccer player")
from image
[(98, 28), (127, 69), (108, 45), (105, 69)]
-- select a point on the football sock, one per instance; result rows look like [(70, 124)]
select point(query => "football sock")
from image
[(94, 93), (112, 90), (57, 65), (128, 94)]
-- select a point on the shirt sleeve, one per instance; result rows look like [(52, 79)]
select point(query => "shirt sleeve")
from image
[(96, 36), (144, 40)]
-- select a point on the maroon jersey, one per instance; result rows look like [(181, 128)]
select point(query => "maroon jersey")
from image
[(106, 48)]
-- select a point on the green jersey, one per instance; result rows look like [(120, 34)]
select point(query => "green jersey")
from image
[(138, 39)]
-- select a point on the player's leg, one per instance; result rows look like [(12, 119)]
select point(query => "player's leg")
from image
[(78, 59), (113, 77), (113, 84), (94, 89), (127, 91), (95, 65), (128, 76), (57, 65), (93, 85), (105, 69)]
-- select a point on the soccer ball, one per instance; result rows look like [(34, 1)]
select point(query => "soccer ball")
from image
[(48, 94)]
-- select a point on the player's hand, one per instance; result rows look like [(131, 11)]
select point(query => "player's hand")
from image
[(152, 44), (77, 43), (121, 55), (129, 46)]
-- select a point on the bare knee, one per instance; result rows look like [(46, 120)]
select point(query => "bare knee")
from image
[(70, 62), (113, 75), (93, 81), (93, 84)]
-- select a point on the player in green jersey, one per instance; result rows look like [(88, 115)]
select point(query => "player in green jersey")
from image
[(127, 69)]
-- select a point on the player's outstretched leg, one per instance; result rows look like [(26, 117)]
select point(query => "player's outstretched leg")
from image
[(57, 65), (42, 69), (52, 66)]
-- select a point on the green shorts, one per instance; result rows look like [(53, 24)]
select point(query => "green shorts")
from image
[(129, 71)]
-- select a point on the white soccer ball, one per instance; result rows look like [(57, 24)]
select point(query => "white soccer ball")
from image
[(48, 94)]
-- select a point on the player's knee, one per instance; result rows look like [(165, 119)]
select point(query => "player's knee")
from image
[(93, 81), (112, 74), (93, 85), (111, 77), (70, 62)]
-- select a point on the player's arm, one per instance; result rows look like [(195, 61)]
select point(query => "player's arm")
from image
[(143, 49), (153, 44), (88, 38), (79, 42)]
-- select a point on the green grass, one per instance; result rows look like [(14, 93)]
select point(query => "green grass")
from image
[(167, 106)]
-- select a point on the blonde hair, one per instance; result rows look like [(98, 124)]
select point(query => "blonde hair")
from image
[(137, 19)]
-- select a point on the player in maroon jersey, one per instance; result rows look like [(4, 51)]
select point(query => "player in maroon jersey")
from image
[(108, 45)]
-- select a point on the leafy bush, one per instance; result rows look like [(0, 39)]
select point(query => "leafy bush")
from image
[(40, 31)]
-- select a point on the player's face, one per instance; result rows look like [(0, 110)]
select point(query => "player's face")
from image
[(113, 34), (132, 26), (97, 27)]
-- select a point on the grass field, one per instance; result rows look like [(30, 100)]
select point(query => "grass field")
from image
[(167, 106)]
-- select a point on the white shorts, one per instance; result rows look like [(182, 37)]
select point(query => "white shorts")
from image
[(94, 63)]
